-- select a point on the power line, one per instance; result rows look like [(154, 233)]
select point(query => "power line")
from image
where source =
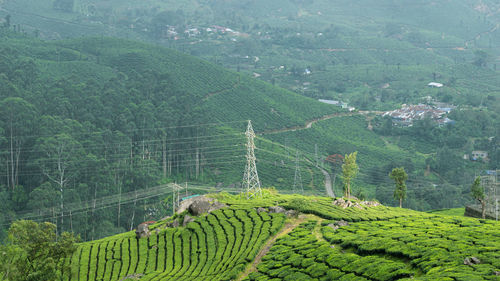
[(126, 155), (159, 129), (111, 201), (184, 141)]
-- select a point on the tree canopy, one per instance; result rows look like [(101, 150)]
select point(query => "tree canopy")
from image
[(478, 193), (33, 251), (399, 176), (349, 171)]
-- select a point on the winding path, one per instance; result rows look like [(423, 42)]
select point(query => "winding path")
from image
[(328, 182), (287, 228), (308, 123)]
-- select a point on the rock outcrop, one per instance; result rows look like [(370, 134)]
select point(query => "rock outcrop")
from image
[(276, 209), (142, 230), (337, 224), (199, 205), (187, 219), (341, 202), (260, 210), (471, 261)]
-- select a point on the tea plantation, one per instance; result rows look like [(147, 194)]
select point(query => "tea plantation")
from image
[(216, 246), (247, 240)]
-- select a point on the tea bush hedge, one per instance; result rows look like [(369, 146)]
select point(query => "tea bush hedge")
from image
[(217, 246)]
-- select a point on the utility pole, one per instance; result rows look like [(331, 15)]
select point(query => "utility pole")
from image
[(251, 183), (176, 196), (316, 154), (297, 181), (173, 200)]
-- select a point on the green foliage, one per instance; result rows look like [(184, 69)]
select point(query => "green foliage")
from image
[(349, 171), (100, 116), (449, 212), (218, 246), (34, 252), (399, 176), (415, 246), (477, 189), (434, 246)]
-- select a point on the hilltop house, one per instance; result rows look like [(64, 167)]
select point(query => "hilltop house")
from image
[(479, 154), (434, 85), (341, 104)]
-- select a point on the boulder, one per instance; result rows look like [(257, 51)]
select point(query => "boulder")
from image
[(174, 223), (341, 223), (471, 261), (337, 224), (260, 210), (348, 203), (291, 213), (333, 226), (199, 205), (341, 203), (276, 209), (135, 276), (142, 231), (357, 205), (370, 203), (187, 219)]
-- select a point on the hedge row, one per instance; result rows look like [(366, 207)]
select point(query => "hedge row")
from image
[(435, 245), (217, 246), (301, 256)]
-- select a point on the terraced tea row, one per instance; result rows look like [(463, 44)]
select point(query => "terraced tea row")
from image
[(323, 207), (217, 246), (435, 245), (301, 256)]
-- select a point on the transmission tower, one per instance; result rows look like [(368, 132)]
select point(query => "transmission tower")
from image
[(316, 154), (297, 181), (251, 182)]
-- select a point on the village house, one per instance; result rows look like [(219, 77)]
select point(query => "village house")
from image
[(341, 104), (409, 113), (434, 85), (479, 154)]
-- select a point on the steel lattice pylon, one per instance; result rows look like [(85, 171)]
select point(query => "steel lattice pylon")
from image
[(297, 181), (251, 183)]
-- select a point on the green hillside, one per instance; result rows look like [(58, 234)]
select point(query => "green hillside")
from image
[(134, 116), (121, 117), (376, 243)]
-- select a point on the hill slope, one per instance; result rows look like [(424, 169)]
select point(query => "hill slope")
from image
[(376, 243)]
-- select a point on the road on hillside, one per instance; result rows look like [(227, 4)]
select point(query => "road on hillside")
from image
[(309, 123), (328, 183)]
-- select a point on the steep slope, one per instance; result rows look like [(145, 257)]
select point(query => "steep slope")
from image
[(332, 243)]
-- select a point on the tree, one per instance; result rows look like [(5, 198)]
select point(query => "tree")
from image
[(481, 58), (349, 171), (34, 251), (399, 176), (7, 21), (62, 154), (478, 194), (17, 117)]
